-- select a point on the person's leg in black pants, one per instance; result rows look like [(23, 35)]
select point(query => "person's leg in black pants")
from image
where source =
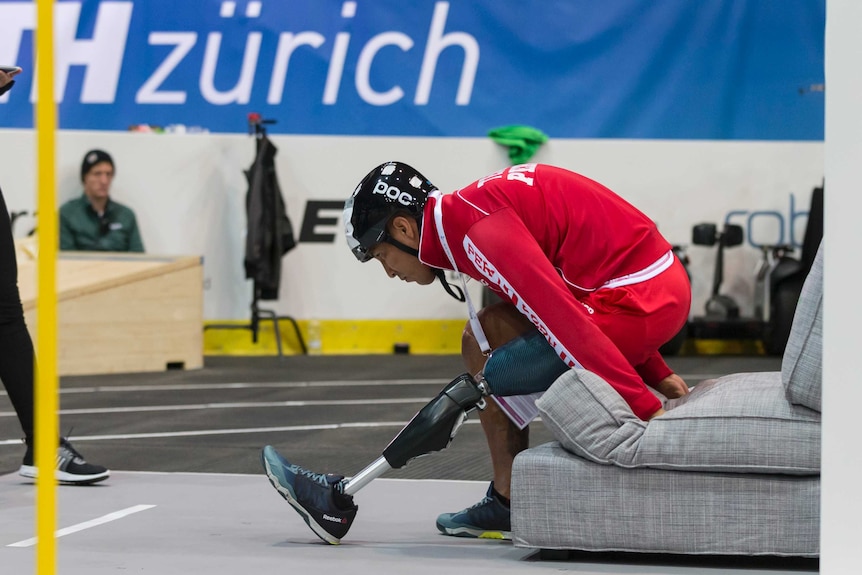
[(16, 347), (17, 362)]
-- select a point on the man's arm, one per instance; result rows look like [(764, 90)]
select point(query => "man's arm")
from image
[(506, 253)]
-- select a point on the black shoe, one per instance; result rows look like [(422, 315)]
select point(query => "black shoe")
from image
[(72, 469), (488, 519), (315, 496)]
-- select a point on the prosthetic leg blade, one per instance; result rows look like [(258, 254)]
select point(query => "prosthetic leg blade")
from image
[(318, 498)]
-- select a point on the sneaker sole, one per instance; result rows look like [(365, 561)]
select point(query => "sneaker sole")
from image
[(475, 533), (31, 472), (272, 462)]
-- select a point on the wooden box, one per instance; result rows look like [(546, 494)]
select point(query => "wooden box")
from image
[(120, 313)]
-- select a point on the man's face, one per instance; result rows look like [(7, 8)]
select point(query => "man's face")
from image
[(402, 265), (97, 182)]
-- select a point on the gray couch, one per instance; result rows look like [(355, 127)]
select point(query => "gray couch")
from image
[(733, 468)]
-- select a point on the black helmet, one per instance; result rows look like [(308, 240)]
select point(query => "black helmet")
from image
[(388, 189)]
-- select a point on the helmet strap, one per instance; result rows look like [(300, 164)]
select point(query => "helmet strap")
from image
[(403, 247), (450, 289)]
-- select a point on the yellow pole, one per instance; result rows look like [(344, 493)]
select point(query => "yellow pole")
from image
[(47, 403)]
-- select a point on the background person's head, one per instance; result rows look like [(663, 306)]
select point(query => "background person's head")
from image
[(97, 173)]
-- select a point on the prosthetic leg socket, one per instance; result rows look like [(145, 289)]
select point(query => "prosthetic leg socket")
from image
[(431, 429)]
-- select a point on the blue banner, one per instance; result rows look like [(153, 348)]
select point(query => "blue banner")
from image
[(666, 69)]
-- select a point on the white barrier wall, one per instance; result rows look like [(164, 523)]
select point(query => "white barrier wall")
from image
[(189, 192), (841, 505)]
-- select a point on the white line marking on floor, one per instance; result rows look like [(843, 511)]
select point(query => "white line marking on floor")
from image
[(319, 427), (287, 384), (255, 476), (248, 385), (87, 524), (233, 405)]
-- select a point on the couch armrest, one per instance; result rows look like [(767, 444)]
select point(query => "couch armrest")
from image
[(802, 364)]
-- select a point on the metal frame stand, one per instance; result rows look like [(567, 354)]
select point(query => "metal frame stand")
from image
[(254, 324)]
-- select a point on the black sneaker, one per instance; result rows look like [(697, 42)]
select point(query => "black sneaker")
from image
[(488, 519), (315, 496), (72, 469)]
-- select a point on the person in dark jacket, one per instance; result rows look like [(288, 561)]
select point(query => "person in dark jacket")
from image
[(95, 222), (17, 359)]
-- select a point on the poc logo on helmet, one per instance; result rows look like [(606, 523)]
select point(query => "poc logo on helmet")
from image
[(393, 193)]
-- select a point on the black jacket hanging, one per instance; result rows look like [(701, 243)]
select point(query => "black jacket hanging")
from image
[(269, 232)]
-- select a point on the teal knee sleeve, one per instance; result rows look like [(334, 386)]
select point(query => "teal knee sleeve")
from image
[(527, 364)]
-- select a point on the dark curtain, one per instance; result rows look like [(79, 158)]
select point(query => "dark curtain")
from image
[(270, 232)]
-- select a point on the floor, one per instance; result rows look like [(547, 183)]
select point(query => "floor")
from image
[(187, 493)]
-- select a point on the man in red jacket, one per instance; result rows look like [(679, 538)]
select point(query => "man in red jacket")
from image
[(586, 280), (575, 262)]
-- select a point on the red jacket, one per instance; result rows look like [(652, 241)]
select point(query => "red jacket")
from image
[(545, 238)]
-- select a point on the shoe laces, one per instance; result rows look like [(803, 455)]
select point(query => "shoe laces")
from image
[(319, 478), (484, 501), (67, 445)]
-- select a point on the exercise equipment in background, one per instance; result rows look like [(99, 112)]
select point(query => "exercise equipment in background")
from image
[(778, 284)]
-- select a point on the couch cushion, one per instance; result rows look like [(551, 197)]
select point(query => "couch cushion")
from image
[(802, 364), (738, 423)]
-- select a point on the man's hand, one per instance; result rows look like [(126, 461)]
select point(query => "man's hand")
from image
[(6, 77), (672, 387)]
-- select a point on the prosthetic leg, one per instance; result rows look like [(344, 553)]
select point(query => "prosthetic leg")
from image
[(325, 502)]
